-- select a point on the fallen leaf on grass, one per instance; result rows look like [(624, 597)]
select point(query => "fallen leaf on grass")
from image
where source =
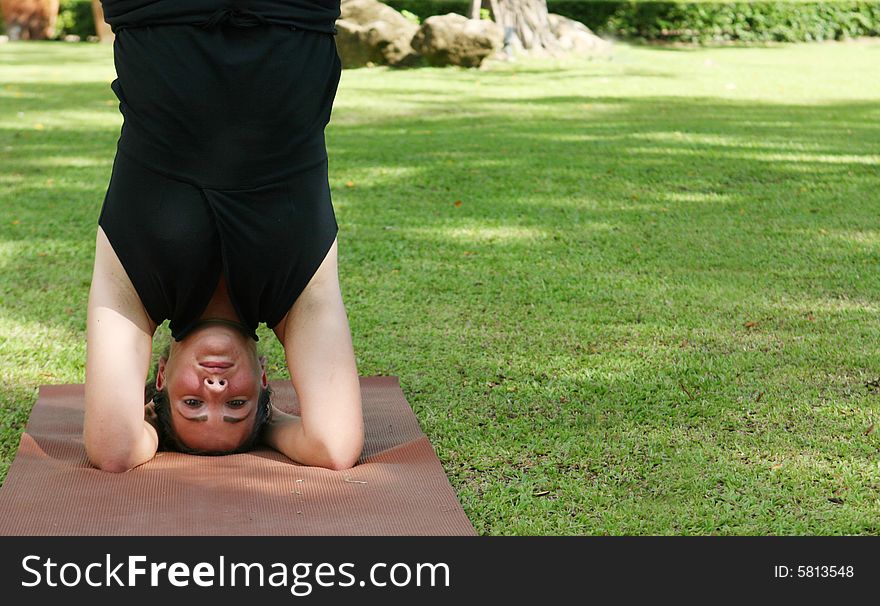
[(870, 429), (836, 500), (690, 397)]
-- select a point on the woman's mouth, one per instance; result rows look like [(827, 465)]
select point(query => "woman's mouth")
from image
[(215, 364)]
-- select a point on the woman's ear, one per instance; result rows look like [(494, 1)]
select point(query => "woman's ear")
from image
[(160, 374), (264, 381)]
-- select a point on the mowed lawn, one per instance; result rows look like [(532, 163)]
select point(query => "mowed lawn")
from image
[(625, 296)]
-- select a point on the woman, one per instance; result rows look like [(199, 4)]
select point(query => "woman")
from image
[(218, 217)]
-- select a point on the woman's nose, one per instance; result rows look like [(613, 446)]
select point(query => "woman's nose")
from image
[(215, 383)]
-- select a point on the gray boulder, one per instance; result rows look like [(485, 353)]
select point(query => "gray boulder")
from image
[(576, 37), (371, 32), (453, 39)]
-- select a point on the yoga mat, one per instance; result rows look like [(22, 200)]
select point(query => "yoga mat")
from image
[(398, 486)]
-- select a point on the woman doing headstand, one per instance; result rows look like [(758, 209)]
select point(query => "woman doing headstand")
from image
[(218, 217)]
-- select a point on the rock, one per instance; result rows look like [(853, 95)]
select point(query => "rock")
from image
[(352, 51), (576, 37), (30, 19), (453, 39), (367, 11), (373, 32)]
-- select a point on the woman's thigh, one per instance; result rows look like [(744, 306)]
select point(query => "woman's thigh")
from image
[(320, 356)]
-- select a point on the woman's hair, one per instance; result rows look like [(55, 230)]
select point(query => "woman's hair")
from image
[(168, 439)]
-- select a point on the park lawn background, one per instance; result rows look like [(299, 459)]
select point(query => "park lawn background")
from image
[(625, 296)]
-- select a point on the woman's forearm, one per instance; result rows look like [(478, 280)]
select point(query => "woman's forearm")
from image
[(287, 434)]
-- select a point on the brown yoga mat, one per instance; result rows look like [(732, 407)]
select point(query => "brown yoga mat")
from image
[(398, 486)]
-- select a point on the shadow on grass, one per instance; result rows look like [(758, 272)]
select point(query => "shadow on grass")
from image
[(600, 230), (571, 163)]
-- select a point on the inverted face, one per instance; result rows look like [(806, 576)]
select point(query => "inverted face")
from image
[(213, 377)]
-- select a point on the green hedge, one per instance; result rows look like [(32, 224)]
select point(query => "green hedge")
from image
[(746, 21), (75, 17), (689, 21), (702, 22)]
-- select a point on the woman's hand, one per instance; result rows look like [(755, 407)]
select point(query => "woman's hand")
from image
[(150, 415), (279, 431)]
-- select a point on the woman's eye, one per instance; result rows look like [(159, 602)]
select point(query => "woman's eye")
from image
[(237, 403), (192, 403)]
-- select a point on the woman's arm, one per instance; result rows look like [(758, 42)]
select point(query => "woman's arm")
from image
[(285, 433), (119, 344), (320, 357)]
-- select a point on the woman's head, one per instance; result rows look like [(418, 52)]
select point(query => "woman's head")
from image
[(211, 394)]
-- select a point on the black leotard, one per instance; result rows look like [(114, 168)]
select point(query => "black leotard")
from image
[(221, 163), (317, 15)]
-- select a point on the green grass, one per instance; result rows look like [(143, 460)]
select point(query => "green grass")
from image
[(654, 311)]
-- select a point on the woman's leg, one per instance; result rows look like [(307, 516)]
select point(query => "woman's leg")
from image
[(320, 357)]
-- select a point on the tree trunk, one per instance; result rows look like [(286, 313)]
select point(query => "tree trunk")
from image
[(527, 21), (476, 5)]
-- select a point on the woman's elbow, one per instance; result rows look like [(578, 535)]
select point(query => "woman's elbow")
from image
[(113, 455), (109, 461), (340, 455), (342, 461)]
